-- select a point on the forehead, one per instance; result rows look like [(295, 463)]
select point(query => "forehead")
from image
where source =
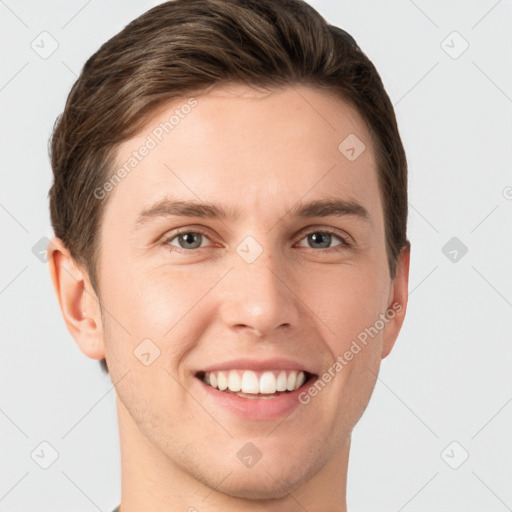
[(255, 152)]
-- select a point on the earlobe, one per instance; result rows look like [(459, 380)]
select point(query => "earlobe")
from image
[(398, 304), (77, 300)]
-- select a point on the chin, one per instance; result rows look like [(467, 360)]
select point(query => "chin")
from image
[(267, 480), (264, 487)]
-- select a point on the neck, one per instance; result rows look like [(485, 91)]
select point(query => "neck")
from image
[(150, 480)]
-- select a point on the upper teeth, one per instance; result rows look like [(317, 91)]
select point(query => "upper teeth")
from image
[(249, 381)]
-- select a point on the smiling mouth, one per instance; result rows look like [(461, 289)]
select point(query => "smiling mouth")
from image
[(252, 384)]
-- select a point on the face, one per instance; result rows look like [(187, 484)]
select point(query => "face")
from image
[(265, 284)]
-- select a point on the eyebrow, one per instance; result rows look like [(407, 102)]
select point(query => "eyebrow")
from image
[(317, 208)]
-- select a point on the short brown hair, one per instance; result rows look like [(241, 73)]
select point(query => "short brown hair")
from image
[(184, 46)]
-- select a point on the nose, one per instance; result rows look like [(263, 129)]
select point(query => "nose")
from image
[(260, 297)]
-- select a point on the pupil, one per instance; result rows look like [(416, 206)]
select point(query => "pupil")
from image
[(190, 240), (317, 238)]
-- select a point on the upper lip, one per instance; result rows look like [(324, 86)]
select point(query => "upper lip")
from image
[(259, 365)]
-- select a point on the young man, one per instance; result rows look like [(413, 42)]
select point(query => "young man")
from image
[(263, 137)]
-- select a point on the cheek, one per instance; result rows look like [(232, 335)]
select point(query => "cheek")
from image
[(356, 299), (164, 304), (347, 300)]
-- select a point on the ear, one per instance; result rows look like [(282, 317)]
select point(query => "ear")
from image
[(397, 305), (78, 302)]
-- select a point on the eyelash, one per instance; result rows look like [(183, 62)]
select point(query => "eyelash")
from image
[(344, 245)]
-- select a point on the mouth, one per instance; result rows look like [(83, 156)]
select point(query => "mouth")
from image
[(252, 384)]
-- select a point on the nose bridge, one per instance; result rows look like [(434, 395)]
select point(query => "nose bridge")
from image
[(258, 296)]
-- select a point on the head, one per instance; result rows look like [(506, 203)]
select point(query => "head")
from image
[(278, 126)]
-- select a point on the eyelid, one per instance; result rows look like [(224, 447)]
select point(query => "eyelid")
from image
[(342, 235), (346, 239), (170, 235)]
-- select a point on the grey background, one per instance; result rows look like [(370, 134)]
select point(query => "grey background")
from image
[(449, 376)]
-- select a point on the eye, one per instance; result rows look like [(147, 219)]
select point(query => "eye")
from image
[(323, 239), (187, 240)]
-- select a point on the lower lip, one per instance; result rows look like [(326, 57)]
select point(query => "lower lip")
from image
[(257, 409)]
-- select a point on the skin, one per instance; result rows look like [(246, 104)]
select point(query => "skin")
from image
[(260, 153)]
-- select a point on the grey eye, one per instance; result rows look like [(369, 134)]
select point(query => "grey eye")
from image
[(188, 240)]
